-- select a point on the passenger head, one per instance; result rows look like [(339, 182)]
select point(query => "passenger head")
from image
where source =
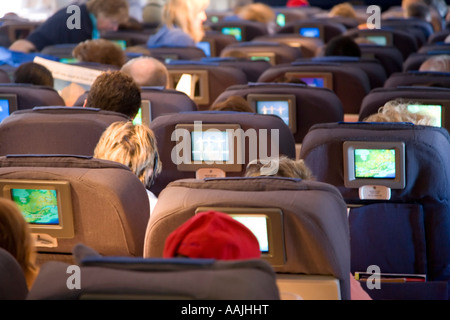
[(15, 237), (397, 111), (233, 103), (152, 12), (212, 235), (342, 46), (188, 15), (406, 3), (288, 79), (147, 72), (419, 11), (132, 145), (281, 167), (345, 10), (100, 51), (34, 73), (115, 91), (437, 63), (109, 13), (258, 12)]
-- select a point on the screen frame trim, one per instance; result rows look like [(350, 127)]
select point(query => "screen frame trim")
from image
[(350, 180), (12, 101), (277, 251), (203, 80), (327, 77), (65, 228), (253, 98), (238, 151)]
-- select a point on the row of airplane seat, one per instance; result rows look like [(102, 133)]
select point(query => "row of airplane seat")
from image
[(379, 194)]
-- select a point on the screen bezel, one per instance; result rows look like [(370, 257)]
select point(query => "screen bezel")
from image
[(238, 151), (445, 113), (327, 77), (12, 102), (203, 80), (122, 43), (310, 27), (212, 47), (19, 31), (253, 98), (378, 33), (275, 226), (317, 26), (146, 112), (350, 180), (243, 36), (280, 16), (65, 228), (270, 55)]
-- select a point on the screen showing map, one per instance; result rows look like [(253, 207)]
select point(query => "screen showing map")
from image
[(375, 163), (233, 31), (38, 206)]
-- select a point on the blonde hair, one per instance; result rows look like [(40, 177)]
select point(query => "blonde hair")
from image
[(259, 12), (286, 168), (397, 111), (438, 63), (406, 3), (345, 10), (132, 145), (183, 14), (15, 237)]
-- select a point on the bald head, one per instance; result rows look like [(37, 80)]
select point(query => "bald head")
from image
[(438, 63), (147, 72)]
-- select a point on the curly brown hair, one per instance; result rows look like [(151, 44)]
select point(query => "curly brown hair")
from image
[(100, 51), (115, 91)]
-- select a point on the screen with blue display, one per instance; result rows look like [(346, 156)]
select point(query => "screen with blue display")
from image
[(310, 32), (4, 109), (206, 47), (234, 31), (278, 108)]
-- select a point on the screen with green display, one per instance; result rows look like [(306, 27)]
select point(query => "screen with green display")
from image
[(375, 163), (38, 206)]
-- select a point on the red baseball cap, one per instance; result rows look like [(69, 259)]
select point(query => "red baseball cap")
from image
[(297, 3), (213, 235)]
